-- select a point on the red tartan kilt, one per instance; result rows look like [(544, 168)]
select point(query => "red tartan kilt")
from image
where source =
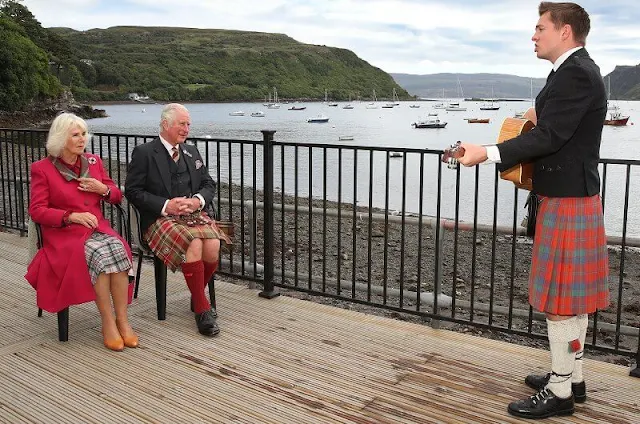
[(570, 264), (169, 240)]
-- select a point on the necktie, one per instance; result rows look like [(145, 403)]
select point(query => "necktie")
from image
[(551, 74), (175, 155)]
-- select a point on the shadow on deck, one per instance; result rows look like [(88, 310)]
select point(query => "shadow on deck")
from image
[(276, 361)]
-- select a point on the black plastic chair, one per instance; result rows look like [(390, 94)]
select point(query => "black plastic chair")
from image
[(160, 270), (63, 315)]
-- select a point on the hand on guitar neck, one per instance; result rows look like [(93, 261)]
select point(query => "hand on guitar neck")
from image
[(472, 154), (466, 154)]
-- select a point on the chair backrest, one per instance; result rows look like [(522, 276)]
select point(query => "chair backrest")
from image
[(136, 231)]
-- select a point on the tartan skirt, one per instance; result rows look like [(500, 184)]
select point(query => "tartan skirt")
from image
[(570, 264), (105, 254), (169, 237)]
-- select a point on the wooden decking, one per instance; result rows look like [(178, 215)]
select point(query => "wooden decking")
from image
[(276, 361)]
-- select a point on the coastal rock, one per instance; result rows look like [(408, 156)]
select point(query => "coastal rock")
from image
[(41, 114)]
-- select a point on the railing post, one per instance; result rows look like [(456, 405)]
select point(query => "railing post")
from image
[(269, 290), (635, 372), (438, 237)]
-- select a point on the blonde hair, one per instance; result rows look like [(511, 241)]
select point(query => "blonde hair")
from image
[(169, 113), (59, 132)]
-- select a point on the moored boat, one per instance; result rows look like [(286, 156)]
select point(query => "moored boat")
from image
[(318, 119), (616, 119), (431, 122), (477, 120)]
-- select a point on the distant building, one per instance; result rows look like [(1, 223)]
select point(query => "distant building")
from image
[(137, 98)]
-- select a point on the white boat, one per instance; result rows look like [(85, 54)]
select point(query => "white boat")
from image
[(333, 104), (490, 105), (440, 105), (520, 114), (394, 98), (432, 121), (258, 114), (373, 104), (455, 107), (345, 138), (318, 119), (236, 113), (414, 106), (274, 104), (347, 106)]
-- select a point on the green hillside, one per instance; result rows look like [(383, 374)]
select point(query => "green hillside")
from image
[(216, 65)]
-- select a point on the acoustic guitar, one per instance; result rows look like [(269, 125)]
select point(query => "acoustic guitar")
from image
[(521, 174)]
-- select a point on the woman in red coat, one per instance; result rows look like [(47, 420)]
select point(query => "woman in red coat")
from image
[(82, 258)]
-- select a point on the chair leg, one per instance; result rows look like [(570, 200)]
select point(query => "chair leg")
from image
[(63, 325), (161, 287), (138, 273), (212, 291), (39, 312)]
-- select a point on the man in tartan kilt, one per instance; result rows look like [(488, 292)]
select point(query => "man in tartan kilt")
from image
[(169, 184), (569, 267)]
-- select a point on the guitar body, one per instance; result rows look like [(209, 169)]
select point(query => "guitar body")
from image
[(522, 174)]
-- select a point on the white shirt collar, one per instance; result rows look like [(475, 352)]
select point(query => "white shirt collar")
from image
[(559, 61), (167, 145)]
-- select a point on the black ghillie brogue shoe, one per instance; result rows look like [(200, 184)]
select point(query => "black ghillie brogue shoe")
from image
[(543, 404), (539, 382), (207, 325)]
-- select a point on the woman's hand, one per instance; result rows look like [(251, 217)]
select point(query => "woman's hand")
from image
[(91, 185), (87, 219)]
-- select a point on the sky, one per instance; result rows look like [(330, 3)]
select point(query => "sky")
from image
[(397, 36)]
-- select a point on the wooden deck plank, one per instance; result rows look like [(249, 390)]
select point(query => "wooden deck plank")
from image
[(276, 361)]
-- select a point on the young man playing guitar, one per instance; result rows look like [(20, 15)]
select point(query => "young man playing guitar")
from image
[(569, 267)]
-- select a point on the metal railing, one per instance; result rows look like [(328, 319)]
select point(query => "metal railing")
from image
[(384, 227)]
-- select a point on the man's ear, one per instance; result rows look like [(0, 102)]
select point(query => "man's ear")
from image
[(567, 32)]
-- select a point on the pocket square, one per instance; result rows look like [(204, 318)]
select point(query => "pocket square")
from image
[(198, 164)]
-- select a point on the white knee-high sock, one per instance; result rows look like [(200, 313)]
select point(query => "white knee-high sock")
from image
[(583, 323), (561, 335)]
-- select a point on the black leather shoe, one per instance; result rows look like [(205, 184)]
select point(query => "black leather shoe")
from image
[(213, 310), (539, 382), (206, 323), (543, 404)]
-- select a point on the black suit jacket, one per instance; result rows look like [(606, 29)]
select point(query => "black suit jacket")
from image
[(565, 144), (148, 183)]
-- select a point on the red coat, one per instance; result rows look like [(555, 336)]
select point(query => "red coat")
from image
[(59, 271)]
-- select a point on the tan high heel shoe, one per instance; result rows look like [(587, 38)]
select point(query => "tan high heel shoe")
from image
[(129, 339), (116, 345)]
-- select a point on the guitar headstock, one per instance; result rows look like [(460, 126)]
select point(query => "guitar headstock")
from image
[(452, 154)]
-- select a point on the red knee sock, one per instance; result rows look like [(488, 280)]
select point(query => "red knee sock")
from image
[(209, 269), (194, 276)]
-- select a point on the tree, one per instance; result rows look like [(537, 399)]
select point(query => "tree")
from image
[(24, 69)]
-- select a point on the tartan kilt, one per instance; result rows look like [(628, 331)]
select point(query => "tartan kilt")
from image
[(169, 238), (105, 254), (570, 264)]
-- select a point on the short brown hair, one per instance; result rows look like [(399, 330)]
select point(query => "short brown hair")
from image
[(568, 14)]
